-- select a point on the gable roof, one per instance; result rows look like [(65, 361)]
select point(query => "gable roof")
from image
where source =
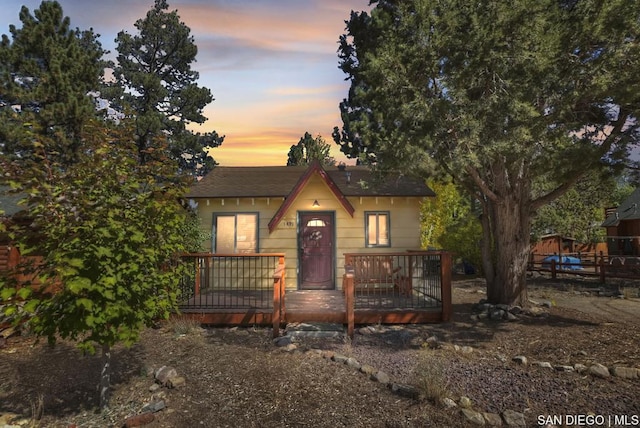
[(628, 210), (280, 181), (314, 168)]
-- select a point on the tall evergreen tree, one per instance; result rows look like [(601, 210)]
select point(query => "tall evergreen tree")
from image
[(496, 94), (47, 70), (309, 149), (160, 88)]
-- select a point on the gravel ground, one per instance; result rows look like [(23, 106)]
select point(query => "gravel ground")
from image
[(237, 377)]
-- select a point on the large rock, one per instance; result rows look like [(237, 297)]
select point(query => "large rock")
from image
[(473, 416), (625, 372), (492, 419), (513, 418), (598, 370), (164, 374)]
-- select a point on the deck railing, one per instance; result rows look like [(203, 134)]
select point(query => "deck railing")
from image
[(231, 281), (415, 280)]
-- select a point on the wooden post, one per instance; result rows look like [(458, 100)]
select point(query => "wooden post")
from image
[(602, 269), (277, 301), (349, 294), (553, 269), (283, 287), (445, 284), (197, 266)]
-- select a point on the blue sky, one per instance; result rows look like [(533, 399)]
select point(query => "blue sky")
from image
[(271, 65)]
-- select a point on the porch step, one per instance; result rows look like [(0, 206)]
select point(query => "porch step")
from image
[(315, 329)]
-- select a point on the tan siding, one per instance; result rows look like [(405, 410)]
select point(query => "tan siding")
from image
[(404, 216)]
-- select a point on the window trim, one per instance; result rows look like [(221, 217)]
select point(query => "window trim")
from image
[(234, 214), (367, 214)]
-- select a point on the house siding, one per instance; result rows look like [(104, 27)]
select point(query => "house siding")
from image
[(349, 231)]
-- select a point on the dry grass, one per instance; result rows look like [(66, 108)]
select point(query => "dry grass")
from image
[(430, 377), (181, 325)]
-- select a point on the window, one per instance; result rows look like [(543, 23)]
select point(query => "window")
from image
[(377, 229), (235, 233)]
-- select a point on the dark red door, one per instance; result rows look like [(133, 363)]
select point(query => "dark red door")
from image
[(316, 251)]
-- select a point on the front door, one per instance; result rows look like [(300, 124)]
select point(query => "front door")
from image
[(316, 249)]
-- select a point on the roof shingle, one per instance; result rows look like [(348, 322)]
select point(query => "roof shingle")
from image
[(278, 181)]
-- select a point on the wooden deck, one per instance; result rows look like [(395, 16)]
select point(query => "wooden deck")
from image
[(249, 289), (249, 308)]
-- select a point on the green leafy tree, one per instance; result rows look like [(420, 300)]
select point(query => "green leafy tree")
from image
[(309, 149), (109, 233), (47, 70), (155, 80), (497, 95), (449, 222), (579, 212)]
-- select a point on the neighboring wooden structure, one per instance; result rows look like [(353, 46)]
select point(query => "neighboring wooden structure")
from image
[(556, 244), (311, 214), (623, 227)]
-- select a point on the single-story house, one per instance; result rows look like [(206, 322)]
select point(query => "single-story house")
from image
[(312, 214), (623, 227)]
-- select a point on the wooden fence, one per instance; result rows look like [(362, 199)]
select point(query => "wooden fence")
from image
[(598, 265)]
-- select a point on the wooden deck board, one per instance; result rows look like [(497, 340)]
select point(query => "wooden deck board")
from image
[(307, 306)]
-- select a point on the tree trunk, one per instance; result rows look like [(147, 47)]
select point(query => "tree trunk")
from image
[(510, 228), (105, 377)]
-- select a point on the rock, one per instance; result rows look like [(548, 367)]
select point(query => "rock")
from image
[(339, 358), (154, 387), (282, 341), (496, 314), (510, 317), (381, 377), (138, 420), (433, 342), (465, 402), (483, 315), (580, 368), (474, 417), (546, 303), (367, 369), (520, 359), (515, 310), (290, 347), (598, 370), (164, 373), (154, 406), (492, 419), (352, 362), (408, 391), (448, 403), (513, 418), (466, 349), (176, 382), (542, 364), (625, 372), (367, 330), (562, 368)]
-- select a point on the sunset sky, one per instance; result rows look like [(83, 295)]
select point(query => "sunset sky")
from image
[(271, 65)]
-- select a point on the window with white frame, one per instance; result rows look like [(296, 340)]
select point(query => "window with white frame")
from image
[(235, 233), (376, 225)]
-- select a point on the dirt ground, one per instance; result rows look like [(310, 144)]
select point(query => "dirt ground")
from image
[(237, 377)]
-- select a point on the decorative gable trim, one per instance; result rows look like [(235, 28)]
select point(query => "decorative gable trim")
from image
[(314, 167)]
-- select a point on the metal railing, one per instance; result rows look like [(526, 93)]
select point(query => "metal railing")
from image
[(405, 280), (231, 281)]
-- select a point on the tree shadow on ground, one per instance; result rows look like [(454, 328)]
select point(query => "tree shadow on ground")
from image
[(33, 372)]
